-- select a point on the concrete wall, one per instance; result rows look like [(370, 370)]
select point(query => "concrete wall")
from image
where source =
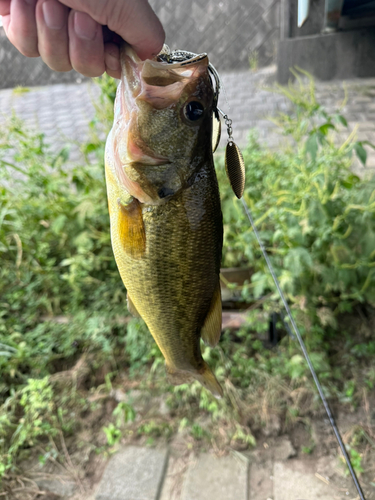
[(342, 54), (333, 56), (230, 31), (15, 69)]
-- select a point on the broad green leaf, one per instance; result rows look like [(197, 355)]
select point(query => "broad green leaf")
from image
[(326, 127), (341, 119), (361, 152)]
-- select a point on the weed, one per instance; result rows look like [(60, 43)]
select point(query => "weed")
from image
[(254, 60), (39, 419), (356, 461), (113, 434), (155, 429), (124, 413)]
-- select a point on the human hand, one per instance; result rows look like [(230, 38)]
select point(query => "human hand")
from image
[(82, 34)]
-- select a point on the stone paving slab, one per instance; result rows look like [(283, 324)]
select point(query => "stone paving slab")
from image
[(136, 473), (62, 112), (133, 474), (216, 478), (261, 481), (174, 478), (294, 481)]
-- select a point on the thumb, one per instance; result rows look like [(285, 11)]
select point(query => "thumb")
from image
[(133, 20)]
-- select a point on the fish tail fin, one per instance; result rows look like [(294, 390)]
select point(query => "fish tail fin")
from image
[(207, 378)]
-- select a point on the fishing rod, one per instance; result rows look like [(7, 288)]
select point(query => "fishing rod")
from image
[(306, 354), (235, 169)]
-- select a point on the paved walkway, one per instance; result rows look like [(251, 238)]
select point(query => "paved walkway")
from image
[(270, 473), (143, 473), (63, 111)]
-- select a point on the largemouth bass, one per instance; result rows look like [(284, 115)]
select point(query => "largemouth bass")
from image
[(164, 205)]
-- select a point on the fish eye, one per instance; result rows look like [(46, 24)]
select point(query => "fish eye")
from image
[(193, 110)]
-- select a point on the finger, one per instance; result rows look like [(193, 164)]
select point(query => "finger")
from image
[(52, 25), (112, 60), (4, 7), (6, 23), (21, 29), (86, 48), (133, 20)]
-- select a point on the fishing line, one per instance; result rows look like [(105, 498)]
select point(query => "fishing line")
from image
[(303, 347), (236, 174)]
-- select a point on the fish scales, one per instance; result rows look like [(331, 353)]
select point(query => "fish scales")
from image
[(180, 262), (172, 272)]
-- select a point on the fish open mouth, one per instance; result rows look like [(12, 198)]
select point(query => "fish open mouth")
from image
[(150, 92), (159, 81)]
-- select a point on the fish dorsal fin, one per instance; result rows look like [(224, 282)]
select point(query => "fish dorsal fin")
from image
[(211, 330), (235, 168), (216, 130), (131, 229), (131, 307)]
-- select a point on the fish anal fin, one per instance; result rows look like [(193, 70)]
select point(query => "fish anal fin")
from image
[(211, 329), (131, 229), (131, 307)]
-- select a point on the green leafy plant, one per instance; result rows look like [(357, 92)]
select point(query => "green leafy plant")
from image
[(39, 419), (355, 459), (124, 413), (154, 429), (113, 434), (315, 217)]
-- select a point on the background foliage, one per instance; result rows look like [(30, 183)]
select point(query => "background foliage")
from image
[(61, 296)]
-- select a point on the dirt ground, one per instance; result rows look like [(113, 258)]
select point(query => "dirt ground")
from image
[(310, 445)]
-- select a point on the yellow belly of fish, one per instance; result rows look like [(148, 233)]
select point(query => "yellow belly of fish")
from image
[(174, 281)]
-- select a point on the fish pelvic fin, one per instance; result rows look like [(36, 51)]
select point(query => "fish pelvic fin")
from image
[(211, 329), (131, 229), (131, 307), (205, 376)]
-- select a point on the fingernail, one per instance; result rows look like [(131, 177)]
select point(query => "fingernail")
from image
[(84, 26), (112, 62), (54, 15)]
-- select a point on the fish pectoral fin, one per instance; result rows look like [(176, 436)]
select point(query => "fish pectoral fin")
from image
[(211, 329), (131, 307), (131, 229)]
